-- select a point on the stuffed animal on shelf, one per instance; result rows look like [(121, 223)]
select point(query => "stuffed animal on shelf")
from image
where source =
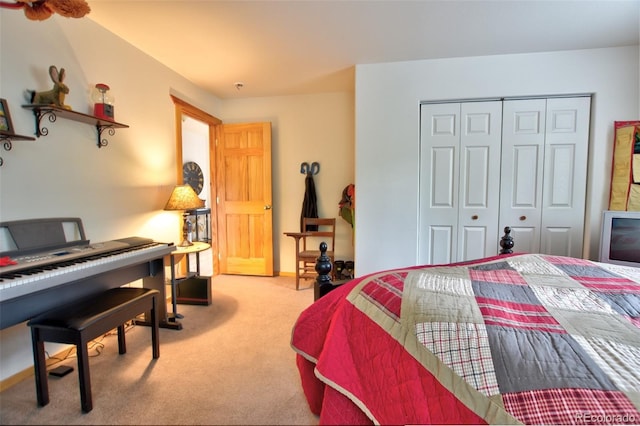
[(56, 95), (42, 9)]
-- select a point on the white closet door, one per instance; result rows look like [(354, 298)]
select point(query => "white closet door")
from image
[(523, 146), (460, 180), (488, 165), (565, 176), (479, 196), (439, 165)]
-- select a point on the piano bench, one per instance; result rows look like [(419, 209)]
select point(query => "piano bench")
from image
[(80, 322)]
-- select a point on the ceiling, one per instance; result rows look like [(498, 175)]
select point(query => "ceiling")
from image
[(311, 46)]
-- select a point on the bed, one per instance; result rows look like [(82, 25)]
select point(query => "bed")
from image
[(517, 338)]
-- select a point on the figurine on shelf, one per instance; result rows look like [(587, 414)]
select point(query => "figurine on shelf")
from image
[(56, 95)]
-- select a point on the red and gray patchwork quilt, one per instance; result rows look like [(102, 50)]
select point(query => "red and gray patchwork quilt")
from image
[(533, 339)]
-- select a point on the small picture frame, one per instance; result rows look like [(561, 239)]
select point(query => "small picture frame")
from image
[(5, 117)]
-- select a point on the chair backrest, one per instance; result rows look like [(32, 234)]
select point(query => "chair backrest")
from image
[(326, 231)]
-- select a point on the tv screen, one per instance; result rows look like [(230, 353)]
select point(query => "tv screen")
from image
[(625, 239), (620, 239)]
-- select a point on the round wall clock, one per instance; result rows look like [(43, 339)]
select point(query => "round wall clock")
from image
[(192, 174)]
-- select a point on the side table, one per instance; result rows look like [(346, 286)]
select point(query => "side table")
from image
[(190, 278)]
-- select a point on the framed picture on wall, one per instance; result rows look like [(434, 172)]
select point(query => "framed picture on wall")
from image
[(5, 118)]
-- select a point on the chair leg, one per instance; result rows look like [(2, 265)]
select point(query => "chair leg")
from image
[(40, 367), (297, 274), (84, 376)]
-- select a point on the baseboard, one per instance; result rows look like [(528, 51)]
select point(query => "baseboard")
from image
[(28, 372)]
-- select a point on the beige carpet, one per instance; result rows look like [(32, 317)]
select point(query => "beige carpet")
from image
[(231, 364)]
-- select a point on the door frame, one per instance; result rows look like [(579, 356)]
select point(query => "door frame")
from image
[(183, 108)]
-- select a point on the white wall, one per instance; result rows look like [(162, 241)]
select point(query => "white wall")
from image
[(304, 129), (118, 190), (388, 125)]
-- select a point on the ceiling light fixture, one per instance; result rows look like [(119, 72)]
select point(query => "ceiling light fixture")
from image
[(39, 10), (239, 85)]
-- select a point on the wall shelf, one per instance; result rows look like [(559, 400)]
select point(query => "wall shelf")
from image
[(6, 139), (52, 112)]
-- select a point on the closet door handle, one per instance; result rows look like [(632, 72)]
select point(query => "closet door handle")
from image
[(474, 217), (523, 218)]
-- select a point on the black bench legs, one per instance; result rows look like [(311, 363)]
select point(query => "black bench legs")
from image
[(83, 321)]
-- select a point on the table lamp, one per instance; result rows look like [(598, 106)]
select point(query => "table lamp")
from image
[(184, 198)]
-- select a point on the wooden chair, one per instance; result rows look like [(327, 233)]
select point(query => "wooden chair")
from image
[(308, 244)]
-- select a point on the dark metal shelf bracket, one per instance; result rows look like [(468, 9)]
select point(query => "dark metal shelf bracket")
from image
[(100, 128), (40, 114)]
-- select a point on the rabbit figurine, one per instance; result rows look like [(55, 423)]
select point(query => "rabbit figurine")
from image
[(56, 95)]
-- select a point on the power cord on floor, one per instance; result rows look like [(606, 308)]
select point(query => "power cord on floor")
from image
[(96, 346)]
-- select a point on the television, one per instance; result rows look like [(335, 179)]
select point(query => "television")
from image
[(620, 239)]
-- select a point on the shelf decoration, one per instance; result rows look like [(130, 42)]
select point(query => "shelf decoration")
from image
[(102, 102), (56, 95), (5, 117), (6, 129)]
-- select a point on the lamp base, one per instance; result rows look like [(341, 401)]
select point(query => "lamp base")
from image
[(185, 243), (186, 231)]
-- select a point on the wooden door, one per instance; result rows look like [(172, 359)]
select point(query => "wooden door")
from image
[(245, 235)]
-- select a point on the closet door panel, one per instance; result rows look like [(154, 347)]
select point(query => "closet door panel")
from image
[(526, 239), (442, 171), (440, 245), (473, 243), (523, 136), (439, 181), (565, 175), (557, 241), (480, 140)]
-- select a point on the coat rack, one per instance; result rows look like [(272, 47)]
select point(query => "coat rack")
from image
[(308, 170)]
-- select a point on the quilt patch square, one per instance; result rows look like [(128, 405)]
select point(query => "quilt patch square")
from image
[(621, 362), (517, 315), (385, 295), (493, 266), (442, 307), (609, 284), (575, 299), (622, 271), (560, 260), (571, 406), (498, 276), (529, 360), (532, 265), (463, 347), (505, 292), (592, 325), (393, 280), (450, 282), (625, 304), (584, 270)]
